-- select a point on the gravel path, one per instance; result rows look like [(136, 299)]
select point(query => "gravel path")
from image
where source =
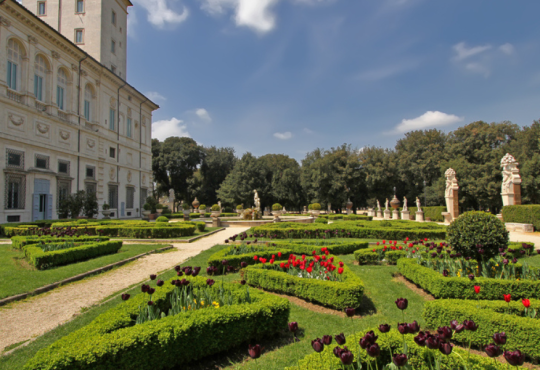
[(35, 316)]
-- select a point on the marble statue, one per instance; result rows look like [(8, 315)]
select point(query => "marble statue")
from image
[(405, 208), (257, 200), (451, 182), (378, 205), (386, 204), (418, 205), (511, 184)]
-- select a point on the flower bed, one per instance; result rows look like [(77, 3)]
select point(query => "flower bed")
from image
[(463, 287), (344, 291), (19, 242), (235, 260), (492, 317), (114, 341), (42, 260), (417, 356)]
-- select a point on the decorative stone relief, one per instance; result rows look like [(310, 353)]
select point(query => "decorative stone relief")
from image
[(15, 120), (74, 67), (91, 143), (65, 135), (43, 128), (84, 73), (5, 22), (112, 173), (55, 54), (129, 176), (32, 40), (98, 83)]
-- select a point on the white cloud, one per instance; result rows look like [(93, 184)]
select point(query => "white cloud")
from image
[(254, 14), (430, 119), (507, 48), (167, 128), (308, 131), (384, 72), (160, 13), (203, 114), (154, 95), (462, 52), (283, 136), (478, 68)]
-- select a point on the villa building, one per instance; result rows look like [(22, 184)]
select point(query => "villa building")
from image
[(69, 121)]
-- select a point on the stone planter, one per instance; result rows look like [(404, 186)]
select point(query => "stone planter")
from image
[(186, 213), (215, 214), (146, 213), (202, 211), (195, 203), (159, 211), (106, 213), (315, 213), (276, 215)]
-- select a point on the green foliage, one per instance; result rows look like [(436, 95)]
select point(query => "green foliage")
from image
[(162, 219), (19, 242), (185, 206), (523, 333), (146, 207), (45, 260), (112, 342), (106, 206), (216, 208), (474, 229), (321, 220), (316, 207), (239, 207), (191, 215), (154, 232), (201, 226), (202, 207), (463, 287), (166, 211), (277, 207), (216, 165), (160, 206), (336, 294), (523, 214), (79, 203), (90, 207), (153, 204)]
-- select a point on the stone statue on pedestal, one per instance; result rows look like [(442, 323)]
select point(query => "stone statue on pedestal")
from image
[(418, 205), (451, 195), (378, 205), (405, 209), (257, 200), (511, 184), (386, 204)]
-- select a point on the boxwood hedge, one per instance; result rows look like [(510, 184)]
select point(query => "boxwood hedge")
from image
[(19, 242), (522, 214), (335, 294), (462, 287), (113, 342), (44, 260), (416, 355), (523, 333)]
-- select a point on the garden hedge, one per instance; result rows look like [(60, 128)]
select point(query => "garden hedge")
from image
[(235, 260), (522, 214), (462, 287), (19, 242), (345, 229), (44, 260), (335, 294), (369, 257), (394, 340), (113, 342), (523, 333)]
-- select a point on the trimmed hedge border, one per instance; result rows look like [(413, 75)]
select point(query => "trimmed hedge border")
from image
[(416, 355), (491, 316), (19, 242), (139, 231), (462, 287), (336, 294), (523, 214), (44, 260), (112, 342)]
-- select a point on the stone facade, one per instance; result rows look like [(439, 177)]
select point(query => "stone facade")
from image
[(67, 122)]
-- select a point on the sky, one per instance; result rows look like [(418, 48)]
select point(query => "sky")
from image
[(289, 76)]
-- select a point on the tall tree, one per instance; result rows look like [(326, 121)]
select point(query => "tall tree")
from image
[(216, 165), (381, 174)]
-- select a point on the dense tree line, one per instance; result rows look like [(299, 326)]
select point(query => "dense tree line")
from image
[(415, 167)]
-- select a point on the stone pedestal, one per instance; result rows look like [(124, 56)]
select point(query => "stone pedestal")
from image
[(379, 214), (405, 215), (447, 217), (371, 212), (216, 222), (513, 198), (395, 215), (387, 214), (452, 204), (420, 216)]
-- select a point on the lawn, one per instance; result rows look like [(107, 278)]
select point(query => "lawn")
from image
[(16, 276), (381, 292)]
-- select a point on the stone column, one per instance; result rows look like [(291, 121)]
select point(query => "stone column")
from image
[(511, 184)]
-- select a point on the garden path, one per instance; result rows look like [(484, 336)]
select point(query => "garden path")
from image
[(525, 237), (35, 316)]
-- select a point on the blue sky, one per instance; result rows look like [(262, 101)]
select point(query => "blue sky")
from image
[(288, 76)]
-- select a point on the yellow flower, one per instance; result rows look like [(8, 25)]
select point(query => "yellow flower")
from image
[(216, 304)]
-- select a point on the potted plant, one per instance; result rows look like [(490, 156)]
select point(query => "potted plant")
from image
[(315, 209), (106, 211), (202, 209), (239, 208), (147, 209), (277, 210), (216, 211), (159, 208), (185, 209)]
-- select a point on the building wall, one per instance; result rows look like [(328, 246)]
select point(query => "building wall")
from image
[(35, 127)]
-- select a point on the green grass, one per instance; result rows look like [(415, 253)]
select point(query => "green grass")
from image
[(379, 307), (17, 277)]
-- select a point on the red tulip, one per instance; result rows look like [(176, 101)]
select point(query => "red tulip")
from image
[(526, 303), (507, 298), (476, 289), (340, 270), (255, 258)]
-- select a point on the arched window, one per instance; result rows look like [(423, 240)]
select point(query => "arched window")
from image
[(40, 78), (61, 88), (88, 102), (14, 66)]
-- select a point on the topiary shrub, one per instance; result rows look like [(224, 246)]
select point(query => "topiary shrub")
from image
[(185, 206), (201, 226), (215, 208), (166, 211), (316, 207), (478, 235), (310, 207), (202, 207), (239, 207), (162, 219), (277, 207)]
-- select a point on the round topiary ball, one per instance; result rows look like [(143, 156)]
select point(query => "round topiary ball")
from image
[(478, 235), (162, 219)]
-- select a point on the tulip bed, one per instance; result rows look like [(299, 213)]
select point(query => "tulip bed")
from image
[(19, 242), (463, 287), (112, 341), (80, 252), (418, 357), (337, 294), (491, 316)]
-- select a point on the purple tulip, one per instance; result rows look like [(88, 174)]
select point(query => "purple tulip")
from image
[(420, 339), (384, 328), (371, 337), (243, 264), (346, 357), (327, 340), (197, 269), (445, 273), (144, 288), (403, 328), (317, 345), (492, 350), (255, 351), (500, 338), (349, 312), (160, 283), (402, 304), (243, 282), (125, 297), (150, 303), (445, 348), (505, 261), (210, 270), (445, 333), (432, 342), (293, 327), (364, 343), (514, 260), (151, 291), (340, 339), (470, 325), (179, 273), (373, 350), (471, 277), (224, 262), (153, 277), (400, 359), (210, 282), (413, 327), (514, 358), (177, 268), (195, 273), (337, 351)]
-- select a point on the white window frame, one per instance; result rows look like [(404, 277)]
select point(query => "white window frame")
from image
[(44, 5), (79, 31), (77, 2)]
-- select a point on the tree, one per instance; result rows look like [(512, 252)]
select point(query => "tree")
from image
[(381, 174), (174, 162), (282, 181), (246, 176), (216, 165)]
